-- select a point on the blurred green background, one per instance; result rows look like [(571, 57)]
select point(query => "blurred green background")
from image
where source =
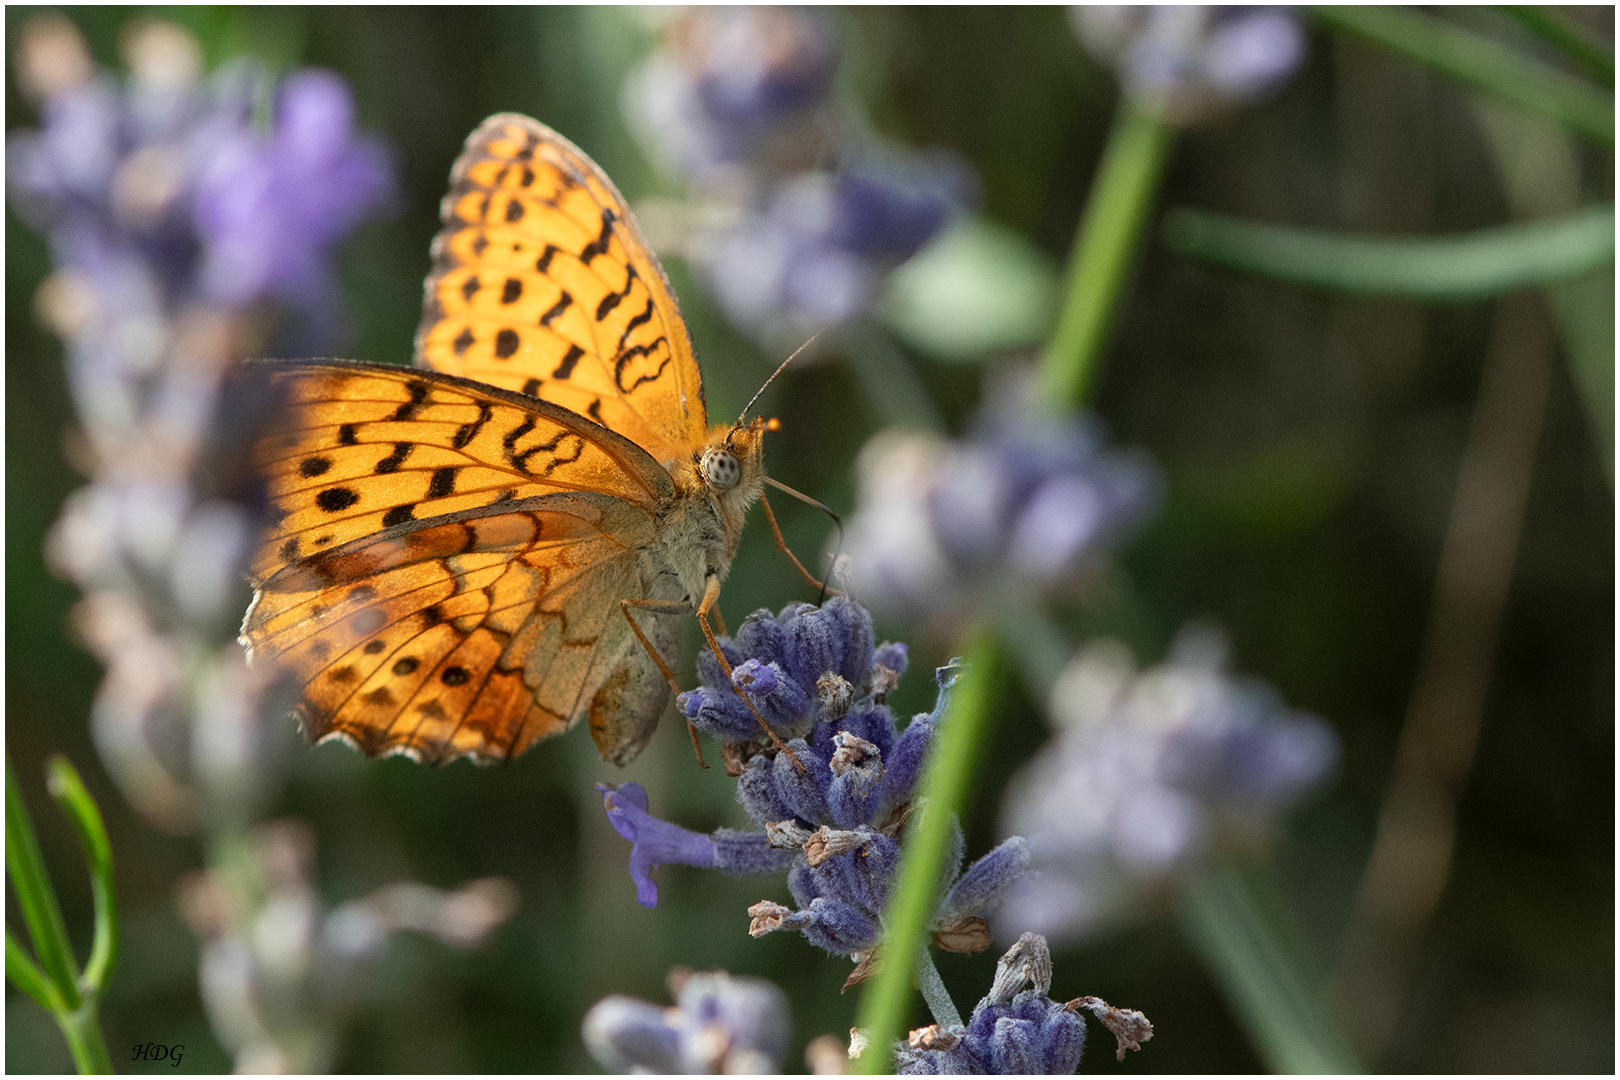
[(1311, 444)]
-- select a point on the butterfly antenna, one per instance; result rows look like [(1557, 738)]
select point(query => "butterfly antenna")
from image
[(838, 523), (772, 379)]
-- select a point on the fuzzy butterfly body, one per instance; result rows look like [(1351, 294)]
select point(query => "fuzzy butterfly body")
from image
[(451, 543)]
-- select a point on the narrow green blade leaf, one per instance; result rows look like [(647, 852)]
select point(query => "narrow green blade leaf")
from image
[(36, 897), (26, 976), (1481, 62), (69, 792), (1579, 43), (1467, 266)]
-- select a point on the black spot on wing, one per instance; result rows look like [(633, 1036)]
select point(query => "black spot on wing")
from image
[(506, 343), (314, 466), (335, 499), (463, 341), (543, 263), (571, 358), (346, 435), (512, 291), (443, 483), (399, 515), (469, 288)]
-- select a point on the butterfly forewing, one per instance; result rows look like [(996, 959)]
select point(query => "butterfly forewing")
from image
[(365, 448), (542, 284)]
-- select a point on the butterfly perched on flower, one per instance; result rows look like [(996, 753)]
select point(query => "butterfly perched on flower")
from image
[(462, 554)]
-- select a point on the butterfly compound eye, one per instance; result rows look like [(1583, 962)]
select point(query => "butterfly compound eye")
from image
[(721, 470)]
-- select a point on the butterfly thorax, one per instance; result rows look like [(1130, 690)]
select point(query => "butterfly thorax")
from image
[(715, 484)]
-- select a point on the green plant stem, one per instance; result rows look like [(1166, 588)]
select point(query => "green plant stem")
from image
[(1240, 946), (1580, 44), (83, 1033), (934, 993), (1483, 63), (884, 1003), (1466, 266), (1122, 193), (37, 897)]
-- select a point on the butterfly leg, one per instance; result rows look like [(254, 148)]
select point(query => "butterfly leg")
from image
[(781, 542), (663, 607), (711, 595)]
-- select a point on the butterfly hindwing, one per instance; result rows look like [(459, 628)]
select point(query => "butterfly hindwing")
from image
[(470, 634), (542, 284)]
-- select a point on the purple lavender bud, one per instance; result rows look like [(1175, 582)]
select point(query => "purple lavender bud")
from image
[(626, 1035), (839, 928), (762, 637), (857, 766), (855, 637), (983, 884), (760, 680), (719, 712), (805, 792), (893, 655), (654, 842), (903, 767), (812, 646), (758, 793), (874, 723)]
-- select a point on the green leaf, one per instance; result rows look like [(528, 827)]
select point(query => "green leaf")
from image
[(1580, 44), (36, 897), (1467, 266), (26, 976), (1242, 947), (69, 792), (1481, 62), (977, 288)]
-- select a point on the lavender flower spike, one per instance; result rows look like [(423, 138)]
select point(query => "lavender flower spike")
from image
[(1018, 1030), (720, 1024), (655, 842)]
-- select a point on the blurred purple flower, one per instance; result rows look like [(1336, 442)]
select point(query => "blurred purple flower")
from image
[(720, 1023), (940, 525), (270, 211), (799, 218), (1148, 774), (1191, 63)]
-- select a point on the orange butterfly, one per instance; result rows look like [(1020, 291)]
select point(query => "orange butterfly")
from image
[(457, 548)]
